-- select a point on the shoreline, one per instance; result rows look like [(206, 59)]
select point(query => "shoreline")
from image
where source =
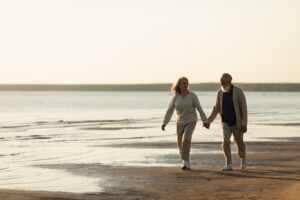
[(273, 172)]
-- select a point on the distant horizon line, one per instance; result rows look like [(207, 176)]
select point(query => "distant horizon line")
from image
[(212, 86), (143, 83)]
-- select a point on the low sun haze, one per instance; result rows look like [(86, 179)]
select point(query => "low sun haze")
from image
[(139, 41)]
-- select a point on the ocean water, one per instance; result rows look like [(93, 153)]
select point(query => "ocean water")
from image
[(63, 128)]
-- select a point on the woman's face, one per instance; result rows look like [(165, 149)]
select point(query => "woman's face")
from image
[(184, 85)]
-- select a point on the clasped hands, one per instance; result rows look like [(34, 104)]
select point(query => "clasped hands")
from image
[(206, 125)]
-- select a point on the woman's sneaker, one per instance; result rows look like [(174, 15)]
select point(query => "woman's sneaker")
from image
[(243, 163)]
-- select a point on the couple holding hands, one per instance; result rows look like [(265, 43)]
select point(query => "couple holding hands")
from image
[(230, 104)]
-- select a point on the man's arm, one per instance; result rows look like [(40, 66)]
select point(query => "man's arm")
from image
[(216, 110)]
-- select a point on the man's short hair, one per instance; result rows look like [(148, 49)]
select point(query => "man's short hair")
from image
[(227, 76)]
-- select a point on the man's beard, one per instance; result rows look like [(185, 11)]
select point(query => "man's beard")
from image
[(226, 88)]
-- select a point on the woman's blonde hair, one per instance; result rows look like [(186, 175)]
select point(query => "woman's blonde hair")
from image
[(175, 88)]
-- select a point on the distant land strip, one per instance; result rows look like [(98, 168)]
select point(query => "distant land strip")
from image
[(283, 87)]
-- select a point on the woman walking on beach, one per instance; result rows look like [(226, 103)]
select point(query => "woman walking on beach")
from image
[(185, 103)]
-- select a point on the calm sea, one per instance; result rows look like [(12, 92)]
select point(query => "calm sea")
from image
[(57, 128)]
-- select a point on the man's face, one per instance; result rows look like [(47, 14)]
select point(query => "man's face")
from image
[(224, 82)]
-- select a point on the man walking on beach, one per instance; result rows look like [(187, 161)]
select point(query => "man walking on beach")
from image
[(232, 107)]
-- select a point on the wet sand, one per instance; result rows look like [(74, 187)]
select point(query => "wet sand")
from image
[(273, 172)]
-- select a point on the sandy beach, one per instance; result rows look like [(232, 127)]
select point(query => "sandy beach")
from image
[(273, 172)]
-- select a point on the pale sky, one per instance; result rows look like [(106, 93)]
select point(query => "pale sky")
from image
[(148, 41)]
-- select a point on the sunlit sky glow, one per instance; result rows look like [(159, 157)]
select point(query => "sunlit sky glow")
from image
[(143, 41)]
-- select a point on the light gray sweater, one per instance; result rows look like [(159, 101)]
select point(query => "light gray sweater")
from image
[(185, 109)]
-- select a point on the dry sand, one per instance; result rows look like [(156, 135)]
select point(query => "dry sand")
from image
[(273, 172)]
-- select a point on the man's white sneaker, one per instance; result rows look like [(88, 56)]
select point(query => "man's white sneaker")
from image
[(243, 163), (227, 167), (186, 165)]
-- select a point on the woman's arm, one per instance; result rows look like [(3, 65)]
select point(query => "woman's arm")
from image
[(197, 105), (169, 112)]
